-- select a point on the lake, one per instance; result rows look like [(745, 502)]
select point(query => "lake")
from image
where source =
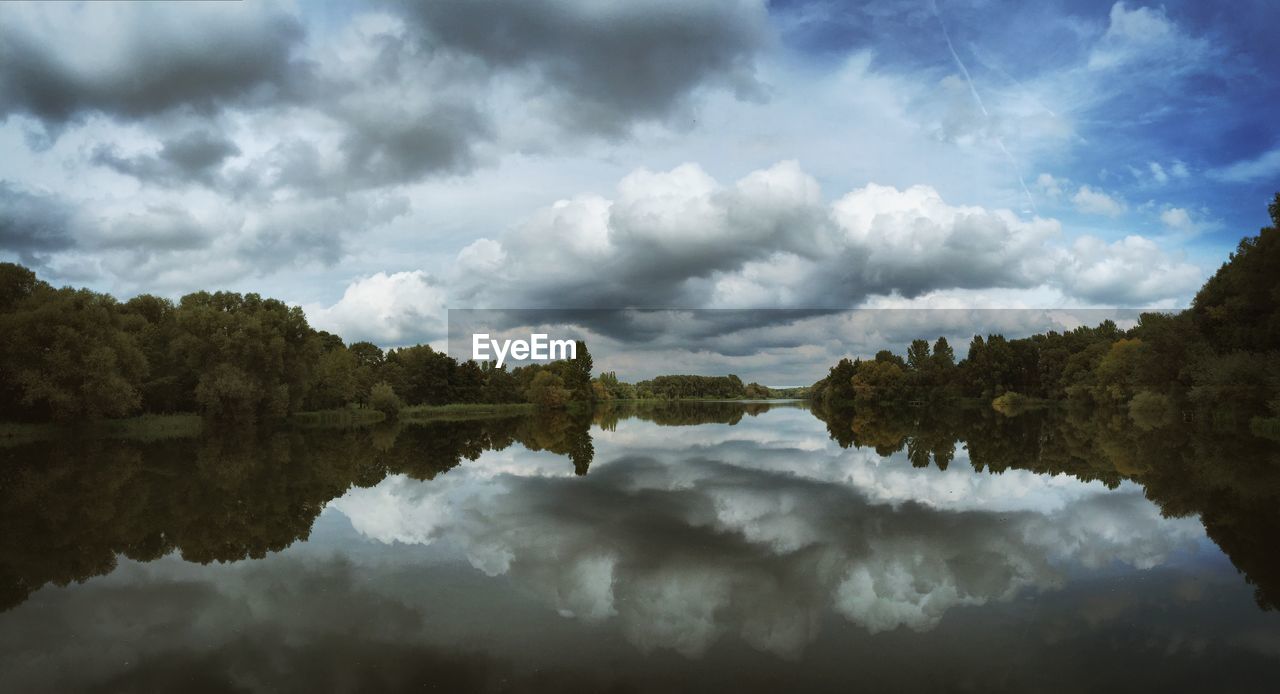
[(683, 547)]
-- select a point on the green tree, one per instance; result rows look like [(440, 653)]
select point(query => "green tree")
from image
[(333, 381), (879, 381), (577, 374), (548, 390), (918, 355), (227, 392), (944, 358), (69, 353), (383, 398)]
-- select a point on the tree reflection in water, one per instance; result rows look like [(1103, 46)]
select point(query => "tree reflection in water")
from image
[(70, 506)]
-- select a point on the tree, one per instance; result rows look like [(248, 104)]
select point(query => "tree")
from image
[(879, 381), (944, 357), (383, 398), (918, 355), (68, 353), (887, 357), (226, 392), (16, 284), (1239, 307), (266, 340), (367, 354), (333, 379), (577, 374), (838, 386), (547, 390), (425, 374), (1115, 376), (499, 384)]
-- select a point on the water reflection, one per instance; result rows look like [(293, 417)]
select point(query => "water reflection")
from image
[(587, 550)]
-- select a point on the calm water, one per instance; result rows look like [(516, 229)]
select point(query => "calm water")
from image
[(694, 548)]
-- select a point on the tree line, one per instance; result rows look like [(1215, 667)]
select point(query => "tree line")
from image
[(693, 387), (71, 354), (74, 355), (1220, 358)]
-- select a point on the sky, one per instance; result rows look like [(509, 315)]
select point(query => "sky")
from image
[(379, 163)]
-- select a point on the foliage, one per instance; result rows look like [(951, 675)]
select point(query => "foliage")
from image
[(66, 353), (548, 390), (881, 380), (689, 386), (75, 354), (383, 398)]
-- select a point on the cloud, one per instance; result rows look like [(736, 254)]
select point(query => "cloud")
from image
[(1130, 272), (1178, 219), (1157, 173), (153, 243), (1145, 35), (679, 238), (32, 225), (1050, 186), (1094, 201), (195, 156), (155, 229), (389, 309), (603, 68), (135, 61), (389, 96), (1266, 165), (908, 242)]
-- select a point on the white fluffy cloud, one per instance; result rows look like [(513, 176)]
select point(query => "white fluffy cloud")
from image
[(1094, 201), (1132, 271), (1145, 35), (1178, 219), (389, 309), (770, 240)]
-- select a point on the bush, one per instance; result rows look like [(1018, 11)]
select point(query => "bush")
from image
[(547, 390), (383, 398)]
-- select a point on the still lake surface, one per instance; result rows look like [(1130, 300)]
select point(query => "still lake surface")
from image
[(693, 547)]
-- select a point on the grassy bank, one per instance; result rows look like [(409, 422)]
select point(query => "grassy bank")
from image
[(150, 427)]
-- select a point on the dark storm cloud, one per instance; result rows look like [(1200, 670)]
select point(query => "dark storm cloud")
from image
[(298, 126), (33, 225), (380, 150), (377, 149), (154, 59), (608, 65), (194, 156)]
